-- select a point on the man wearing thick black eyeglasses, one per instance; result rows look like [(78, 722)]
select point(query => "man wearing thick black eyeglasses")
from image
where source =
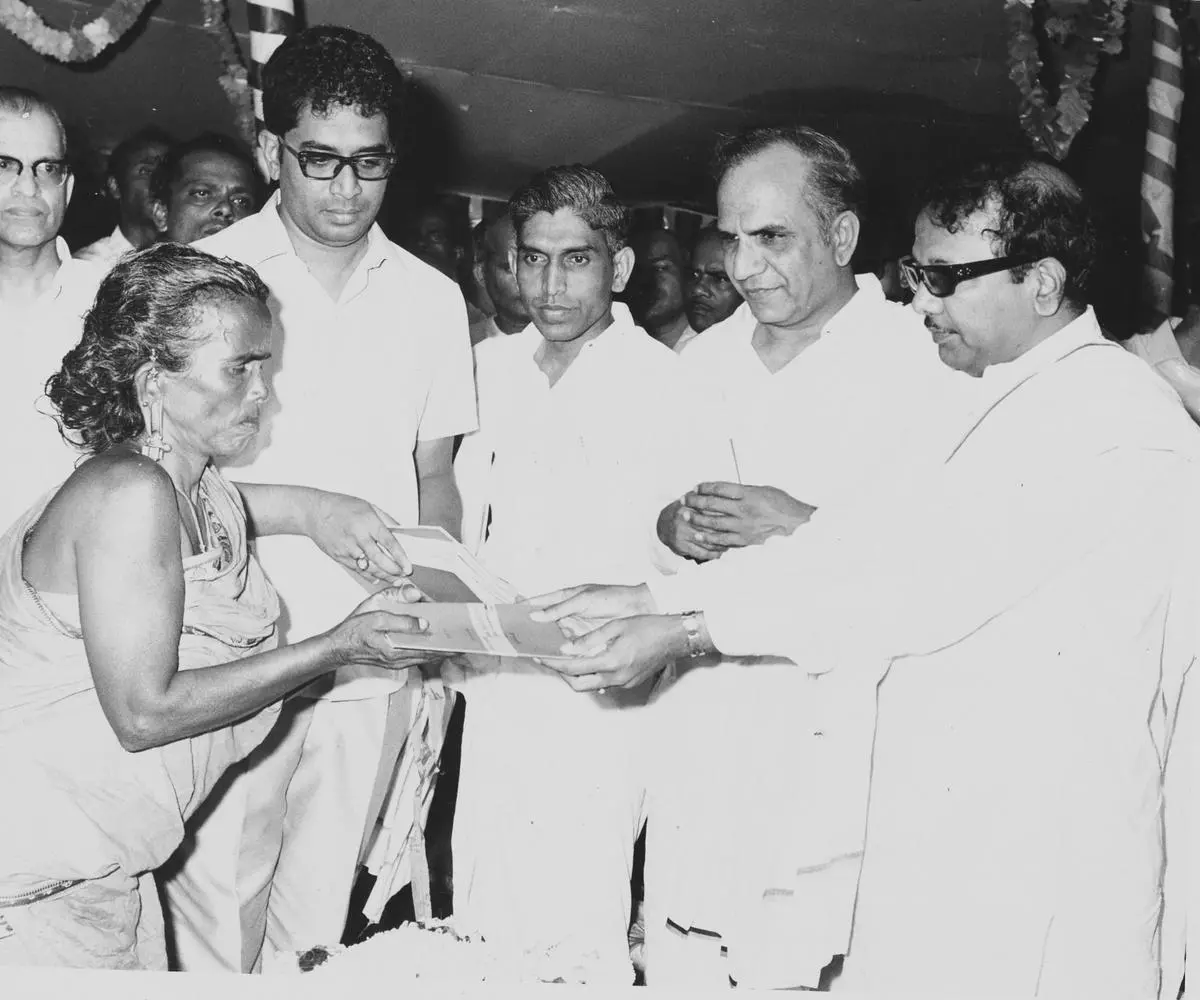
[(372, 379), (1030, 597), (43, 295)]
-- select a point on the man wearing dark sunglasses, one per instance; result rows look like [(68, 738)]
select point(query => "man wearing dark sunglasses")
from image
[(1030, 596), (372, 381), (44, 293), (990, 291)]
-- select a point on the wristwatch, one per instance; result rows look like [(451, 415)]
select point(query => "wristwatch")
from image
[(695, 637)]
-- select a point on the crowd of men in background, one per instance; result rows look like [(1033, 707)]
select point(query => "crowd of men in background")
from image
[(163, 189), (855, 700)]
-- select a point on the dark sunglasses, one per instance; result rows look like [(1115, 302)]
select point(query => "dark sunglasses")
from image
[(942, 279)]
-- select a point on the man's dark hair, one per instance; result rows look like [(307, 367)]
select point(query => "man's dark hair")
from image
[(167, 173), (1039, 212), (585, 191), (835, 184), (324, 68), (128, 149)]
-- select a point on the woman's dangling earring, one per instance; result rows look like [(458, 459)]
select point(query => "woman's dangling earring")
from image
[(155, 446)]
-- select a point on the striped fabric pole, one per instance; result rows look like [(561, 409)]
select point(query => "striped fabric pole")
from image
[(1164, 95), (271, 21)]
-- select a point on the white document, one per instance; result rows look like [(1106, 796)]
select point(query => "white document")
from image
[(447, 573), (492, 629)]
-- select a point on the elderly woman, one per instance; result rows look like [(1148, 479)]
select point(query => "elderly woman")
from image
[(137, 634)]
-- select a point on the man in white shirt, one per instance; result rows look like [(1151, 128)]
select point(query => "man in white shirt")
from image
[(43, 296), (371, 382), (127, 184), (585, 430), (1031, 642), (494, 272), (655, 293), (815, 381), (711, 296)]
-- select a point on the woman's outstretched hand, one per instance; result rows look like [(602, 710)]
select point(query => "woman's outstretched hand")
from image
[(374, 633), (357, 535)]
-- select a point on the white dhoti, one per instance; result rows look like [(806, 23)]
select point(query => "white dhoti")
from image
[(549, 805), (754, 836), (265, 867)]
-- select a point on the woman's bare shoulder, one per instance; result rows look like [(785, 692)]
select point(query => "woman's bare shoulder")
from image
[(118, 483), (115, 495)]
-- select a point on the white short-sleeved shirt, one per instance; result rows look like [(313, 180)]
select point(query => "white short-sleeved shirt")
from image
[(33, 339), (356, 384), (107, 250), (582, 467)]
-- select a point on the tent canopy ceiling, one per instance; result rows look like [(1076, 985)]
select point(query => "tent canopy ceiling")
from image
[(635, 87)]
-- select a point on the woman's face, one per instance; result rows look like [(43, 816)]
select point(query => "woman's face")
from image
[(212, 407)]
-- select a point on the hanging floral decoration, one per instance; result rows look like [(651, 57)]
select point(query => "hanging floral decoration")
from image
[(1078, 32), (75, 45), (234, 79)]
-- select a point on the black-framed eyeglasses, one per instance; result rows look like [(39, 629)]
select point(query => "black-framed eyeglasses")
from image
[(48, 173), (942, 279), (319, 165)]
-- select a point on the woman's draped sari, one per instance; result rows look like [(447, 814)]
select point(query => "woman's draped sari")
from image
[(78, 810)]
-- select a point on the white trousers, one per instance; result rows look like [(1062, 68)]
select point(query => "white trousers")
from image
[(549, 806), (274, 853)]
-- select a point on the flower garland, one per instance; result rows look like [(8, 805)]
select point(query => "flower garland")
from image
[(235, 80), (1082, 30), (77, 45)]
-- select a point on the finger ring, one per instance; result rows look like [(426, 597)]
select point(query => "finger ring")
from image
[(601, 690), (362, 562)]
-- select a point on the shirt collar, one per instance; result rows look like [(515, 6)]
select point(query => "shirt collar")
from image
[(66, 265), (1083, 331), (269, 237), (869, 296), (119, 242), (619, 330)]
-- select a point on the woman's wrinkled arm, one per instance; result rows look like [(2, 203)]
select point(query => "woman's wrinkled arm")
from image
[(345, 528), (131, 600)]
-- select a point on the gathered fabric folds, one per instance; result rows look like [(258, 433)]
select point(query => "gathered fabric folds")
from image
[(77, 805)]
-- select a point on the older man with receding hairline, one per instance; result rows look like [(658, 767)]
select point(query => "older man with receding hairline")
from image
[(44, 293)]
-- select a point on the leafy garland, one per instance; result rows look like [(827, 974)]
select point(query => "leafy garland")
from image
[(81, 45), (77, 45), (235, 80), (1081, 30)]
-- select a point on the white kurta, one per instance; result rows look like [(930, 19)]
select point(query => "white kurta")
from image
[(551, 787), (33, 340), (735, 814), (356, 384), (1032, 597), (1161, 351)]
